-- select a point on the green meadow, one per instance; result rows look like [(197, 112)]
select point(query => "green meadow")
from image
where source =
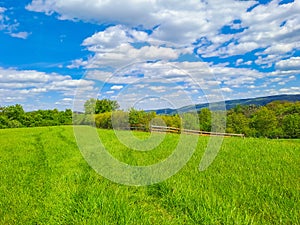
[(45, 180)]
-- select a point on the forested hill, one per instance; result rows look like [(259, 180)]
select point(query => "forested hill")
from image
[(260, 101)]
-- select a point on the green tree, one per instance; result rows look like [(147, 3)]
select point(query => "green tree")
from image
[(68, 116), (265, 122), (140, 118), (238, 123), (171, 120), (103, 120), (120, 120), (291, 125), (3, 121), (96, 106), (105, 105), (205, 119), (190, 121), (89, 106), (14, 112), (137, 118), (14, 124)]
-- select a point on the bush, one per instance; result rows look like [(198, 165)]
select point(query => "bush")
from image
[(103, 120)]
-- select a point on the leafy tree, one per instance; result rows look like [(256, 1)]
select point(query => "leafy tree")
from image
[(238, 123), (14, 124), (137, 118), (68, 115), (90, 105), (83, 119), (120, 120), (105, 105), (103, 120), (14, 112), (3, 121), (96, 106), (140, 118), (171, 120), (190, 121), (14, 116), (249, 110), (291, 125), (205, 119), (265, 122)]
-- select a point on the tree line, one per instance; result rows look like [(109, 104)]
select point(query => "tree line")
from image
[(14, 116), (278, 119)]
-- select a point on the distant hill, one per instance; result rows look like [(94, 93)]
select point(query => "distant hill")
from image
[(260, 101)]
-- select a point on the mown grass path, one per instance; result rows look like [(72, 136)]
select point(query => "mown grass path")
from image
[(45, 180)]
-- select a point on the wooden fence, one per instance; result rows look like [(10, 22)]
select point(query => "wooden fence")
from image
[(186, 131)]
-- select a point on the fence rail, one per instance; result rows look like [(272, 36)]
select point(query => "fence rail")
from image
[(187, 131)]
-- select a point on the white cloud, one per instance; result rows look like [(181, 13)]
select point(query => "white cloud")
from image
[(292, 63), (28, 76), (10, 26), (290, 90), (175, 27), (112, 37), (158, 89), (272, 27), (69, 84), (77, 63), (178, 22), (22, 35), (64, 103), (18, 86), (281, 48), (96, 10), (168, 80), (3, 18), (226, 89), (114, 47), (240, 62), (94, 74), (126, 54), (117, 87), (67, 99)]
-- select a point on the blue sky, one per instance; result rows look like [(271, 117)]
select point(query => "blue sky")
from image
[(146, 53)]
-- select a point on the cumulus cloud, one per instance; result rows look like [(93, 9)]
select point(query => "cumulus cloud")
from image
[(146, 35), (175, 21), (126, 54), (21, 85), (167, 80), (113, 36), (28, 76), (272, 27), (226, 89), (292, 63), (116, 87)]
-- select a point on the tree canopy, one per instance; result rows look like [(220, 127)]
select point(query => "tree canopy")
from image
[(14, 116), (96, 106)]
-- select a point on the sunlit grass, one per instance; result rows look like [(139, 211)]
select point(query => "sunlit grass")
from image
[(45, 180)]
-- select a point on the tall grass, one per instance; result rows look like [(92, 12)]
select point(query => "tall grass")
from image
[(45, 180)]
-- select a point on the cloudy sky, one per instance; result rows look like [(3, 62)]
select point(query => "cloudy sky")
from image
[(147, 53)]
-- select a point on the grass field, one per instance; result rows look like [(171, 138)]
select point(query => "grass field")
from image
[(45, 180)]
